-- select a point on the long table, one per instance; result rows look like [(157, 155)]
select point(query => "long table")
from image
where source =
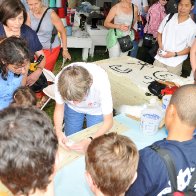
[(70, 179)]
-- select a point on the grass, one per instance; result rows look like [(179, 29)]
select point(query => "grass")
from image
[(100, 53)]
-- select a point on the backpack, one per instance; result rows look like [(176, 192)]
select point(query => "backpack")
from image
[(165, 155)]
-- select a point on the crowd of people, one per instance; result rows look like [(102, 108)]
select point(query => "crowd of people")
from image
[(29, 153)]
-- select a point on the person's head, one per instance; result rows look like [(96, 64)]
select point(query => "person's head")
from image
[(35, 6), (182, 108), (163, 2), (14, 56), (111, 164), (12, 14), (28, 146), (74, 83), (185, 7), (24, 96)]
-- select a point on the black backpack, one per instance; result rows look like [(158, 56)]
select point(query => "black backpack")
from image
[(165, 155)]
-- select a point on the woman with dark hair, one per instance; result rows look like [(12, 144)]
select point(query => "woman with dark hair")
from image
[(155, 15), (14, 63), (50, 21), (12, 17)]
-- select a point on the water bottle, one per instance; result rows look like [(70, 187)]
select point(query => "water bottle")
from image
[(151, 117), (165, 102)]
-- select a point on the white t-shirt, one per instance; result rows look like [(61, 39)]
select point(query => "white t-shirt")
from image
[(99, 98), (176, 37)]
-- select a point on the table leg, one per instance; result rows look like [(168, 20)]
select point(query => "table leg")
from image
[(85, 54), (92, 49)]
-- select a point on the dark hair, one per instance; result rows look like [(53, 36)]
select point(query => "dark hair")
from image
[(13, 50), (192, 2), (11, 9), (24, 96), (28, 147)]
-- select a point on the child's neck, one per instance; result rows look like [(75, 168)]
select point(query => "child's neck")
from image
[(180, 133)]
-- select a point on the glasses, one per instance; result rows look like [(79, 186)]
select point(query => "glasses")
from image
[(19, 67)]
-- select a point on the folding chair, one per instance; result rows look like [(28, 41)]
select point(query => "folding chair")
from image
[(49, 90)]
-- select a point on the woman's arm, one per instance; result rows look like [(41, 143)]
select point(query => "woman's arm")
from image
[(193, 56), (56, 21), (28, 21), (33, 77)]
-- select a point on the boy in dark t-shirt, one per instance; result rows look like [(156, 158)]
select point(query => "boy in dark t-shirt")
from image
[(180, 121)]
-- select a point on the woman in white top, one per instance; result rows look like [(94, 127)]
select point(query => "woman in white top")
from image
[(120, 17)]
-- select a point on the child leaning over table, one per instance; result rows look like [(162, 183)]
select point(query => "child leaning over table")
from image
[(111, 164), (82, 90)]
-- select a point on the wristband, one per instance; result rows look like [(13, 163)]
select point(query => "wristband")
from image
[(176, 54), (65, 49)]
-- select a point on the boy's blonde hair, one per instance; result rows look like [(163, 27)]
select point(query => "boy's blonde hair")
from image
[(112, 161), (74, 83)]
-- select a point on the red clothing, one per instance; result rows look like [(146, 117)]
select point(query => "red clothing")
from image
[(51, 57), (155, 15)]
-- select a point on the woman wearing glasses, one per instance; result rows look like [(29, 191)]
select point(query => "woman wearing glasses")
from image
[(14, 63)]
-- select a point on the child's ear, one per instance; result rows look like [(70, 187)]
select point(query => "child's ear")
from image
[(134, 178), (90, 181)]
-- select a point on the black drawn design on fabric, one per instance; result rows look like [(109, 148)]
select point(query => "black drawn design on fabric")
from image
[(120, 69), (149, 79), (162, 75)]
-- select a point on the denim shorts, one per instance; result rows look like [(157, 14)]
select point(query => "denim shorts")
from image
[(74, 120)]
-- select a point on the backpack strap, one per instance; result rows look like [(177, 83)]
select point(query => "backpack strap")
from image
[(192, 182), (41, 19), (165, 155)]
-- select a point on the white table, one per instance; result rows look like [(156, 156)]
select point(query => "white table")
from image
[(80, 42), (98, 37)]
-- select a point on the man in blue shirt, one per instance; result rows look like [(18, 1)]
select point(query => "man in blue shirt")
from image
[(180, 121)]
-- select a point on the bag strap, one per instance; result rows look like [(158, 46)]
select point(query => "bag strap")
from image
[(41, 19), (131, 22), (165, 155), (169, 18), (192, 182)]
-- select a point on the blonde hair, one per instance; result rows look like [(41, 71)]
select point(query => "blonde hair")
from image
[(112, 161), (74, 83)]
